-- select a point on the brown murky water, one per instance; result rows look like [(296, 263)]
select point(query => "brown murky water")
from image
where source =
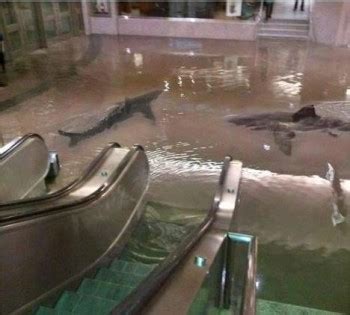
[(285, 199)]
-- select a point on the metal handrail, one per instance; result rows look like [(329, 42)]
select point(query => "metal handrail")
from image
[(12, 146), (65, 190), (150, 285), (249, 294), (80, 202)]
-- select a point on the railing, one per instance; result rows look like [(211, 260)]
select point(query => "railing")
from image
[(10, 147), (249, 296), (143, 293), (65, 190)]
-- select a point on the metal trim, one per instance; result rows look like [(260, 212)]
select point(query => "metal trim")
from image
[(151, 285), (28, 215)]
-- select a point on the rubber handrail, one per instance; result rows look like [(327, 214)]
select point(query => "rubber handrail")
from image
[(65, 190), (80, 202), (18, 143), (149, 286)]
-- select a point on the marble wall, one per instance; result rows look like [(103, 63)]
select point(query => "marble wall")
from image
[(330, 22), (100, 24), (188, 28)]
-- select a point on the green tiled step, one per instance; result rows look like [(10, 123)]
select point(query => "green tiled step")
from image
[(265, 307), (50, 311), (76, 303), (104, 290), (100, 295), (131, 267), (120, 278)]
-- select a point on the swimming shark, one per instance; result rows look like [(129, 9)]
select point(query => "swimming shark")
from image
[(85, 126), (285, 125)]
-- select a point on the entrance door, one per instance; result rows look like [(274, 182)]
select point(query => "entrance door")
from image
[(28, 24), (14, 41), (20, 26), (58, 18)]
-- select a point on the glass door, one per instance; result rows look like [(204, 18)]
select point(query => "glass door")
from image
[(28, 24), (13, 39)]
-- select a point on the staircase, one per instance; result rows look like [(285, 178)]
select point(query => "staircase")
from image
[(282, 28), (98, 296)]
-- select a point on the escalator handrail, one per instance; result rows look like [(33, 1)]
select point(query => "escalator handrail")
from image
[(13, 146), (65, 190), (149, 286), (80, 202), (249, 293)]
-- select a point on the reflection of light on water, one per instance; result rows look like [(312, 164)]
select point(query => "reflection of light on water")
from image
[(262, 175), (288, 84), (257, 284), (166, 86), (163, 162), (138, 60), (347, 94), (222, 75), (333, 109), (166, 163)]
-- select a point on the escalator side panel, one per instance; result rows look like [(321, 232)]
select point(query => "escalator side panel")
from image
[(23, 171), (43, 252)]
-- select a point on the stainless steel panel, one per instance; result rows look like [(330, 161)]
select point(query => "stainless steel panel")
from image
[(40, 253), (23, 168), (179, 291)]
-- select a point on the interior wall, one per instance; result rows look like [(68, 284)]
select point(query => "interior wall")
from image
[(331, 22), (100, 24)]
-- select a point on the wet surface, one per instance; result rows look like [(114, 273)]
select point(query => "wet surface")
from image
[(285, 200)]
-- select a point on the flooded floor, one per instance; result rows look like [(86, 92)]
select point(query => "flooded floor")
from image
[(285, 199)]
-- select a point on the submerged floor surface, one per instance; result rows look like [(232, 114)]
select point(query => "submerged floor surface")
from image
[(285, 199)]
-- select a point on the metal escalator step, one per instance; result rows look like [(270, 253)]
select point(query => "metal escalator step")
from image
[(132, 267), (104, 289), (121, 278), (67, 302), (81, 304)]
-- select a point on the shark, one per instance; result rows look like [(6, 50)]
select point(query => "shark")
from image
[(84, 126), (286, 125)]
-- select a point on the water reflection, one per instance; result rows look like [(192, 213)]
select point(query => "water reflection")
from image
[(206, 80)]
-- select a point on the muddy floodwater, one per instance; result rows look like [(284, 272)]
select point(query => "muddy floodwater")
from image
[(285, 200)]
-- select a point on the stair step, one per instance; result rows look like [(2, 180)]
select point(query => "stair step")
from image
[(282, 36), (67, 302), (104, 290), (50, 311), (290, 21), (120, 278), (81, 304), (286, 32), (265, 307), (283, 30), (131, 267), (291, 26)]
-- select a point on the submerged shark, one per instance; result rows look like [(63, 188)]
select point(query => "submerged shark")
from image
[(284, 125), (85, 126)]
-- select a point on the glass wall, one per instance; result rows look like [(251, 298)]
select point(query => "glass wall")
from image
[(226, 10), (29, 24)]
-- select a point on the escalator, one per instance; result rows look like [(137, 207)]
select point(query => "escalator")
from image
[(133, 280), (96, 247), (48, 243)]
